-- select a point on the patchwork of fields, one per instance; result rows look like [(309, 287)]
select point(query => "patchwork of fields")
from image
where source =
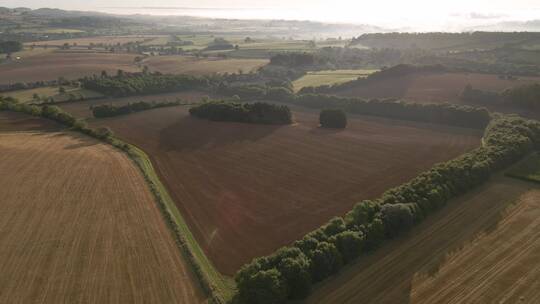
[(204, 66), (235, 182), (79, 224), (482, 248)]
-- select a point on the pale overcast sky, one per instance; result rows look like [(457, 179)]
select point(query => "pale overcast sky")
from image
[(437, 15)]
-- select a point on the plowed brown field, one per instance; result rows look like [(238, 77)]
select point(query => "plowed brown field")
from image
[(71, 65), (79, 225), (482, 248), (434, 87), (246, 189)]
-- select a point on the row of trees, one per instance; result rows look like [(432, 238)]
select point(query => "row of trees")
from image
[(141, 84), (526, 96), (8, 47), (107, 110), (259, 112), (56, 114), (290, 272), (456, 115)]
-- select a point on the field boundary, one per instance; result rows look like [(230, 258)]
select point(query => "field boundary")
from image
[(219, 288)]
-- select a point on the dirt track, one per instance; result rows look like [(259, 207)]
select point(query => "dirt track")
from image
[(79, 225), (482, 248), (249, 189)]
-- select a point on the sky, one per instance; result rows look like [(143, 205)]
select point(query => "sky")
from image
[(423, 14)]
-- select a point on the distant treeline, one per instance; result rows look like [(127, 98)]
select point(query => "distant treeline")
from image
[(142, 84), (258, 112), (291, 271), (106, 110), (450, 114), (526, 96), (444, 40)]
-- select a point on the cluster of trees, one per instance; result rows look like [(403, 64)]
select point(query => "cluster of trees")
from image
[(395, 71), (293, 59), (526, 96), (8, 47), (333, 118), (258, 112), (140, 84), (106, 110), (290, 272), (219, 44)]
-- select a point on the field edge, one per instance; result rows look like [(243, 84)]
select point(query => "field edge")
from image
[(220, 288)]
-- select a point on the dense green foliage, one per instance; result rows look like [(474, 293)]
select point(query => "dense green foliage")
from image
[(259, 112), (10, 47), (142, 84), (333, 118), (293, 59), (106, 110), (343, 239)]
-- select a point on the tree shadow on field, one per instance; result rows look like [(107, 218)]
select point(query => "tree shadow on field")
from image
[(389, 274), (190, 133), (325, 131)]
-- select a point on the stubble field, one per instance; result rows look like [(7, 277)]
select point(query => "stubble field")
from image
[(79, 225), (482, 248)]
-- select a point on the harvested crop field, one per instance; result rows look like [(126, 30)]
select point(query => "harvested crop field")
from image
[(81, 109), (201, 66), (17, 122), (434, 87), (481, 248), (79, 225), (246, 189), (71, 65)]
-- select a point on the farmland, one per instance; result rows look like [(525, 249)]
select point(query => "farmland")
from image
[(481, 248), (52, 65), (26, 96), (318, 78), (81, 109), (234, 182), (434, 87), (80, 225), (99, 40), (201, 66)]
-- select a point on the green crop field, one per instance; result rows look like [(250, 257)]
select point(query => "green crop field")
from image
[(313, 79), (528, 169)]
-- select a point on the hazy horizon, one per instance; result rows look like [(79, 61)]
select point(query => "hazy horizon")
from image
[(419, 15)]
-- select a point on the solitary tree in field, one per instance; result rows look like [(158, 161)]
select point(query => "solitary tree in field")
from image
[(333, 118)]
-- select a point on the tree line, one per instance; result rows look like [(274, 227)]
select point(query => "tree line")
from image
[(107, 110), (124, 84), (56, 114), (450, 114), (291, 271), (525, 96), (258, 112)]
